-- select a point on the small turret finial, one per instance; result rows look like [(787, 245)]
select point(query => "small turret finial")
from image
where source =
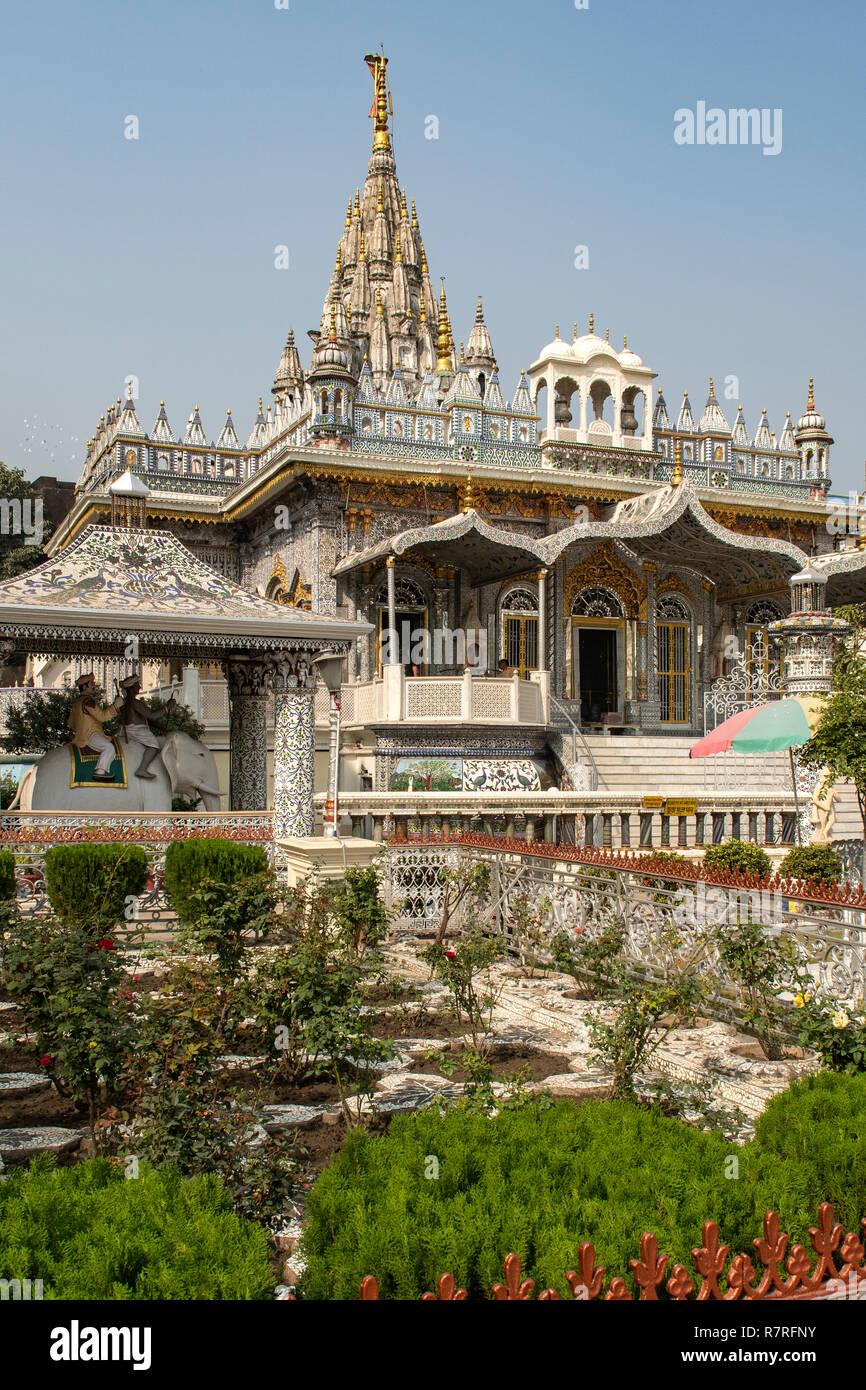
[(575, 332), (362, 249), (811, 405), (625, 342), (332, 337), (607, 335), (357, 202), (712, 387), (591, 324), (444, 341), (414, 217), (678, 463), (349, 214), (398, 249), (404, 211), (380, 201)]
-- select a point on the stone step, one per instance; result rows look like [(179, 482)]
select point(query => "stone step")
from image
[(15, 1085), (20, 1145)]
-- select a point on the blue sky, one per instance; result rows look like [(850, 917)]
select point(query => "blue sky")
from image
[(156, 256)]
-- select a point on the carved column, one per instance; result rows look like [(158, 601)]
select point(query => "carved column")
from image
[(248, 734), (653, 709), (542, 620), (293, 682)]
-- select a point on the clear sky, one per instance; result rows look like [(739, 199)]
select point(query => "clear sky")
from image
[(155, 256)]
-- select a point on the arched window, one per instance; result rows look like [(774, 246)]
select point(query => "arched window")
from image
[(596, 602), (518, 640), (410, 612), (759, 658), (673, 638)]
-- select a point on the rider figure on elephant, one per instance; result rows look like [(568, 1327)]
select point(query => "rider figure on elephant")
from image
[(85, 719), (135, 721)]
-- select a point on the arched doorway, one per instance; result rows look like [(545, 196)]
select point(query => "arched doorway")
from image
[(598, 655)]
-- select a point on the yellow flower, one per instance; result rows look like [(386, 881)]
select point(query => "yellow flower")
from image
[(799, 1001), (840, 1020)]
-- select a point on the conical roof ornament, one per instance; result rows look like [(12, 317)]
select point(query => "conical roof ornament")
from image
[(444, 340), (378, 63)]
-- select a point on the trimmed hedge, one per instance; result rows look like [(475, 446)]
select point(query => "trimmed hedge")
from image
[(818, 862), (457, 1192), (91, 883), (90, 1233), (740, 856), (7, 874), (190, 863), (813, 1137), (536, 1182)]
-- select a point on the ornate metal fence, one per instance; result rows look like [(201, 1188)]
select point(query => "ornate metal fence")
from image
[(29, 834), (666, 912)]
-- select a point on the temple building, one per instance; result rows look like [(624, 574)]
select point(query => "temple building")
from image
[(580, 558)]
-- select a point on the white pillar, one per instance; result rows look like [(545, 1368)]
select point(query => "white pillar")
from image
[(648, 418), (551, 406), (393, 642), (541, 661)]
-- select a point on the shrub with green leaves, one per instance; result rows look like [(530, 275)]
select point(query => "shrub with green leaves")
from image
[(737, 856), (836, 1031), (7, 874), (458, 1192), (191, 863), (93, 884), (75, 1002), (812, 1145), (820, 863), (90, 1232)]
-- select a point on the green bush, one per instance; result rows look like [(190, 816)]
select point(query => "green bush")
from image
[(89, 1232), (812, 1143), (536, 1182), (191, 863), (7, 874), (457, 1192), (740, 856), (92, 884), (820, 863)]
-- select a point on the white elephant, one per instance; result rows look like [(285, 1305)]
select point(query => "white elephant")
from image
[(185, 768)]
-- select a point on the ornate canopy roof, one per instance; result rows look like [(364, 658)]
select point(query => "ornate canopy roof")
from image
[(111, 584), (666, 526), (465, 541)]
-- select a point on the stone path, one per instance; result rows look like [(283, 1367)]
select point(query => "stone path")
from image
[(20, 1145)]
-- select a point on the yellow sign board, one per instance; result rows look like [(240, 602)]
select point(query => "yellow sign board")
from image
[(652, 803), (673, 807)]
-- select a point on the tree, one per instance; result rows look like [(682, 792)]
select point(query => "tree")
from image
[(15, 555), (839, 742)]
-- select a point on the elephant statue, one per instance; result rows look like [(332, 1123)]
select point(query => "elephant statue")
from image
[(185, 768)]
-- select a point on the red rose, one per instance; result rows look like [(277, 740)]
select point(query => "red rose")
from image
[(106, 944), (451, 955), (578, 930), (45, 1061)]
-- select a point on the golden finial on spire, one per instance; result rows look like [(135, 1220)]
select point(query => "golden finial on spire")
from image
[(444, 341), (260, 405), (129, 390), (424, 267), (333, 334), (414, 217), (362, 250), (398, 249), (422, 310), (556, 334), (625, 342), (712, 387), (380, 201), (357, 202), (349, 214), (678, 463), (338, 268), (467, 501), (811, 405), (607, 335), (575, 332), (378, 63), (404, 211), (379, 310), (462, 357), (591, 324)]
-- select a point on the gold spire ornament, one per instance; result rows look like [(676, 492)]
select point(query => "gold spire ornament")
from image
[(625, 342), (607, 335), (404, 211), (362, 249), (380, 201), (378, 64), (379, 310), (444, 341), (349, 214), (357, 202), (678, 463), (591, 324), (467, 501), (398, 249), (575, 332), (811, 405), (712, 387), (414, 217)]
